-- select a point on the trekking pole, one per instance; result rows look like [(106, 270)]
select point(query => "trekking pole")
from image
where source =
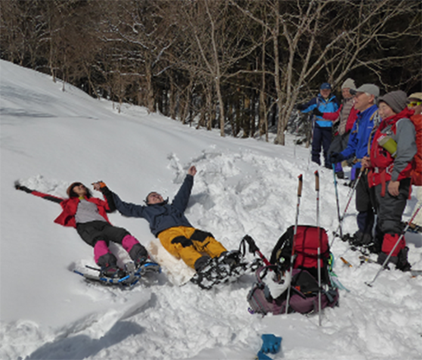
[(350, 195), (253, 248), (394, 248), (338, 203), (292, 257), (319, 244)]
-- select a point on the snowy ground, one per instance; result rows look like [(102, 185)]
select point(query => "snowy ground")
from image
[(50, 138)]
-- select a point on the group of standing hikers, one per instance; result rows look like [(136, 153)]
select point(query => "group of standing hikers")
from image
[(381, 138)]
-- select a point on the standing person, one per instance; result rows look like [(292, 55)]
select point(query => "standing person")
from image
[(390, 164), (322, 130), (89, 216), (176, 234), (358, 147), (415, 104), (345, 117)]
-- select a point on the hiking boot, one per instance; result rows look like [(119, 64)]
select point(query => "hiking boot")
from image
[(361, 239), (231, 258), (340, 174), (383, 256), (138, 254), (140, 260), (402, 263), (201, 263), (112, 271)]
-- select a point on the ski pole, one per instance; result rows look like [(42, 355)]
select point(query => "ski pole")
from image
[(253, 248), (292, 257), (337, 202), (394, 248), (350, 195), (319, 244)]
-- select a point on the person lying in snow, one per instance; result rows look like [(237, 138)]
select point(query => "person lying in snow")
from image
[(168, 222), (89, 216)]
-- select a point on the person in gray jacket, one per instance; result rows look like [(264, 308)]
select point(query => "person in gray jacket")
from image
[(390, 164), (169, 224)]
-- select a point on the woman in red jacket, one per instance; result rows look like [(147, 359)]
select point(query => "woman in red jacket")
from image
[(89, 216), (391, 158)]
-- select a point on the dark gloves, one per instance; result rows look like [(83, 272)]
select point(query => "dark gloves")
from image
[(271, 343), (23, 188), (317, 112), (301, 107), (336, 158)]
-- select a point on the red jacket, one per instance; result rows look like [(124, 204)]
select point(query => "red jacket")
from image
[(350, 119), (382, 162), (417, 169), (70, 206)]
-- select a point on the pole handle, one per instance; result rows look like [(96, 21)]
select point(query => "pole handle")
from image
[(316, 180), (299, 188)]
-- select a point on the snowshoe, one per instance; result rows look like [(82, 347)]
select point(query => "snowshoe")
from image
[(226, 268), (112, 272), (128, 276), (415, 229)]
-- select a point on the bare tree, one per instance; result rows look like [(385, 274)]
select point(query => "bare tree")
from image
[(307, 45)]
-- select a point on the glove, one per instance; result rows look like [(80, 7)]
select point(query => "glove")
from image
[(99, 185), (317, 112), (262, 356), (23, 188), (271, 343), (301, 107), (336, 158)]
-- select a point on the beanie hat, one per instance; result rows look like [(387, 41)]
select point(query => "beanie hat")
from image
[(349, 84), (396, 100), (325, 86), (417, 95)]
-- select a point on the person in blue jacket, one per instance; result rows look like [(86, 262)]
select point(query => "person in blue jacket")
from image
[(358, 147), (168, 222), (325, 102)]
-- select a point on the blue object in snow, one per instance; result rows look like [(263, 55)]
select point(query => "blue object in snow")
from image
[(262, 356), (271, 343)]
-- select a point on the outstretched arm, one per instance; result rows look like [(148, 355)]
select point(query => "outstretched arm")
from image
[(37, 193), (128, 209), (182, 197), (108, 195)]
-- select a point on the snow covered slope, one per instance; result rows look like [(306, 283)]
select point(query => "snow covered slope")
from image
[(50, 138)]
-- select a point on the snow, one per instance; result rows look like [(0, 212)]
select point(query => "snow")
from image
[(50, 138)]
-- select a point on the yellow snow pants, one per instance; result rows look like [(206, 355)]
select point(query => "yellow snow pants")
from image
[(189, 244)]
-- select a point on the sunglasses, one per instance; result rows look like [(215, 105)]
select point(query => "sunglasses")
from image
[(415, 103)]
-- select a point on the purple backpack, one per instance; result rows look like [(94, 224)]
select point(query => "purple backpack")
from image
[(303, 295)]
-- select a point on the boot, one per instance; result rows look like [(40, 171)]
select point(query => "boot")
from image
[(231, 258), (402, 263), (382, 256), (108, 265), (139, 255), (112, 271)]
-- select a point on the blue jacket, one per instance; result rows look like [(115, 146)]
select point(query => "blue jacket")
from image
[(329, 105), (361, 135), (161, 216)]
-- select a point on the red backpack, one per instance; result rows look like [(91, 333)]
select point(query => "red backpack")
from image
[(304, 285), (417, 162), (306, 249)]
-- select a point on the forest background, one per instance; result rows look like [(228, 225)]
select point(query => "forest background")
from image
[(237, 65)]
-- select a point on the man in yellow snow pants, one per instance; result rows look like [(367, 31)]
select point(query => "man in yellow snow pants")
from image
[(168, 222), (190, 244)]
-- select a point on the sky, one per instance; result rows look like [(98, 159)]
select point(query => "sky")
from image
[(51, 138)]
